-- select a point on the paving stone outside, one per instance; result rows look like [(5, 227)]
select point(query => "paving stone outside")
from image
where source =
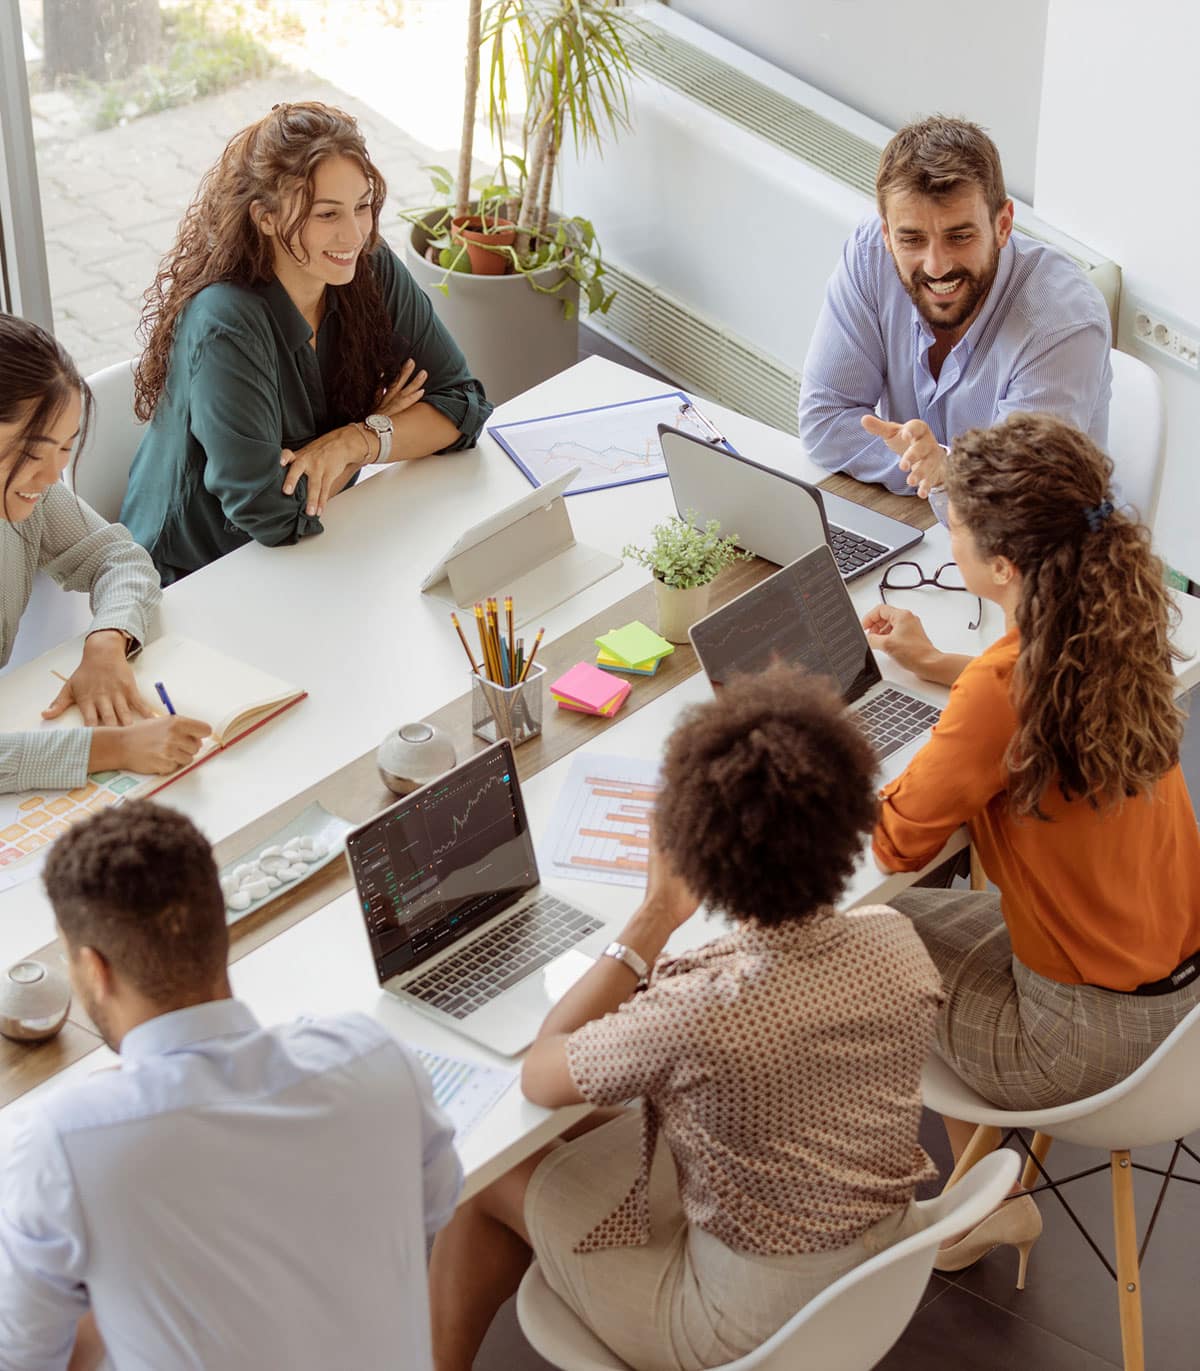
[(112, 200)]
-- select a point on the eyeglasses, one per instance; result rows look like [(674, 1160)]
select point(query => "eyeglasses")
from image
[(909, 576)]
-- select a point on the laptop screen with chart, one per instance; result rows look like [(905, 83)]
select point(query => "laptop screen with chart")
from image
[(430, 871), (804, 615)]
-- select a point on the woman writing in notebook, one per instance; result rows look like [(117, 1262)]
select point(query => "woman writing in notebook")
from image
[(1059, 749), (44, 412), (288, 348), (764, 1160)]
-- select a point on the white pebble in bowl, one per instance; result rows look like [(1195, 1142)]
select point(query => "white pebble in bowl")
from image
[(240, 899)]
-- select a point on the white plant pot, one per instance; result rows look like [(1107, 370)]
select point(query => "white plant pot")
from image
[(512, 336), (679, 609)]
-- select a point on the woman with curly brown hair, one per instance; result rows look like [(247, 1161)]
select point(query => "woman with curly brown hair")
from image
[(287, 348), (778, 1067), (1059, 748)]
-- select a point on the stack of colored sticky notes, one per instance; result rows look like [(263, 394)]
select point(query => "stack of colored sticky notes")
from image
[(589, 691), (634, 649)]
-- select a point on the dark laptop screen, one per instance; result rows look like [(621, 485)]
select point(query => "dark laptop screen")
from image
[(802, 614), (441, 861)]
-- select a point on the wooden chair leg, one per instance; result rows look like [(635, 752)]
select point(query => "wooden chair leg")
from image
[(1040, 1147), (979, 880), (1129, 1289), (983, 1144)]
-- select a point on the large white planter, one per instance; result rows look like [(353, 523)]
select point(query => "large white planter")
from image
[(679, 609), (512, 336)]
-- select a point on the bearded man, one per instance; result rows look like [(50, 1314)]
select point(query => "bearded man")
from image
[(969, 321)]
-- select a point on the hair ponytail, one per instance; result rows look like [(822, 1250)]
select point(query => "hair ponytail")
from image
[(1094, 688)]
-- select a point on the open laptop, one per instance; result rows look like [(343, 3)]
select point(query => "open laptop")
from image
[(804, 614), (458, 925), (776, 516)]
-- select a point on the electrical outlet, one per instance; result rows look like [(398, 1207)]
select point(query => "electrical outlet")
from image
[(1157, 331)]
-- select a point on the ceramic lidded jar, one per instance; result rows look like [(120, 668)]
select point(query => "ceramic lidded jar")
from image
[(34, 999), (412, 755)]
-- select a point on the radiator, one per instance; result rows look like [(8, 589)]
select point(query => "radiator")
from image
[(723, 211)]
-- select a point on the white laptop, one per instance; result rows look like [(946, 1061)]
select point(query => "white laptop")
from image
[(527, 549), (803, 614), (777, 516), (458, 924)]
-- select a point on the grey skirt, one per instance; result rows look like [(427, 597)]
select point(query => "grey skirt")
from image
[(685, 1301), (1020, 1040)]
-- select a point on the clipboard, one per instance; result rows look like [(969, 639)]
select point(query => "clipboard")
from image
[(611, 445), (528, 549)]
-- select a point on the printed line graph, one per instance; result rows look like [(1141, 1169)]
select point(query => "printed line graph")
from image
[(602, 820)]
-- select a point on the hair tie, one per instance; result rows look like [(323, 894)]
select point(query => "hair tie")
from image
[(1096, 514)]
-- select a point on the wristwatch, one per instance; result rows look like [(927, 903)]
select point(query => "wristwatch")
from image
[(633, 960), (381, 426)]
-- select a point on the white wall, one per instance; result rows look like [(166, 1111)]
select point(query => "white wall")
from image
[(897, 62), (1118, 166)]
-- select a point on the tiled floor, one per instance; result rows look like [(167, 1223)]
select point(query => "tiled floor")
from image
[(1066, 1318)]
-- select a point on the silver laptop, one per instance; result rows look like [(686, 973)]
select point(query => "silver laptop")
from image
[(804, 614), (458, 924), (777, 516)]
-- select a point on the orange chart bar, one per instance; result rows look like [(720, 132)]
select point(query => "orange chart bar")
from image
[(633, 820), (609, 791), (625, 839), (613, 864)]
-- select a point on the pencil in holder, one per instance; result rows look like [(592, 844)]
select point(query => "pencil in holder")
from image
[(512, 712)]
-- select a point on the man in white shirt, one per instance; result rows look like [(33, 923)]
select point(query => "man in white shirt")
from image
[(230, 1196), (941, 317)]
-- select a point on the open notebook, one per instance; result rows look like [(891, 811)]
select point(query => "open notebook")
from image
[(232, 696)]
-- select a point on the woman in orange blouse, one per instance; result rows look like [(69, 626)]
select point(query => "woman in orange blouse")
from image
[(1059, 748), (778, 1067)]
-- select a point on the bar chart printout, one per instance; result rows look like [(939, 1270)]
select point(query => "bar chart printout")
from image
[(601, 829), (465, 1090)]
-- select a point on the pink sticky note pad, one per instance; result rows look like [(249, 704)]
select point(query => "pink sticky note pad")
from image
[(586, 686)]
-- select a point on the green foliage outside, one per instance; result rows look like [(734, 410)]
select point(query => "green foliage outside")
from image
[(206, 52), (684, 555)]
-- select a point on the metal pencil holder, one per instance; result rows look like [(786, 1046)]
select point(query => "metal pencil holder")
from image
[(512, 712)]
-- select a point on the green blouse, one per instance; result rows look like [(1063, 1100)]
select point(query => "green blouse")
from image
[(245, 382)]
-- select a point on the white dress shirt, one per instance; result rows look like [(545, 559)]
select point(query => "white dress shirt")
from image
[(231, 1198), (1040, 343)]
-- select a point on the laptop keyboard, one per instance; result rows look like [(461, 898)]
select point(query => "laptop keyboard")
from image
[(851, 551), (505, 955), (893, 718)]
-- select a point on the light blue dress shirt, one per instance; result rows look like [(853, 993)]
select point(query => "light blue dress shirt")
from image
[(231, 1197), (1040, 343)]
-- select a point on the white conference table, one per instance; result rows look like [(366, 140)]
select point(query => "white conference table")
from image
[(342, 614)]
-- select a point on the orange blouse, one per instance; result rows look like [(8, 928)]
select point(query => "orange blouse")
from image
[(1107, 897)]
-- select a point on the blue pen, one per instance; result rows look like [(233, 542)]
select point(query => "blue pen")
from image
[(164, 697)]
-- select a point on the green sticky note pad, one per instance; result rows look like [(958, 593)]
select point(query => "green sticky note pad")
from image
[(635, 644)]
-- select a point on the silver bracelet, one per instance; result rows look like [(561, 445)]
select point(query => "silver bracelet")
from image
[(633, 960)]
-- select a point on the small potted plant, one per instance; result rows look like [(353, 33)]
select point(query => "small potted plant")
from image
[(685, 559)]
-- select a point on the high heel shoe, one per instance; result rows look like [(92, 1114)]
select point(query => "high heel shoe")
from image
[(1017, 1223)]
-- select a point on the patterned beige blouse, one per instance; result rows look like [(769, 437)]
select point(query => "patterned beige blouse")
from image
[(783, 1066)]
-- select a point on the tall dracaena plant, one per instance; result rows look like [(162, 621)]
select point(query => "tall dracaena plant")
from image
[(466, 151), (576, 65)]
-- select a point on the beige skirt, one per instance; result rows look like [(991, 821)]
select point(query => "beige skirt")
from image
[(685, 1301), (1020, 1040)]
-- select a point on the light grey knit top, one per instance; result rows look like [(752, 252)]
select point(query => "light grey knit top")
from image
[(70, 541)]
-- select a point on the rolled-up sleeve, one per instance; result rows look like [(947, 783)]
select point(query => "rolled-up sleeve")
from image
[(236, 416), (84, 552), (955, 775), (421, 335), (844, 373), (441, 1169), (42, 1250)]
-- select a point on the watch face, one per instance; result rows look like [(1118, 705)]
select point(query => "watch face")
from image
[(378, 423)]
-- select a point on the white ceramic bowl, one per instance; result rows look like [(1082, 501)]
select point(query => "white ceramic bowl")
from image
[(34, 999)]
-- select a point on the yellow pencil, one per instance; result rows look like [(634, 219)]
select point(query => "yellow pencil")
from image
[(512, 661), (462, 639), (483, 643)]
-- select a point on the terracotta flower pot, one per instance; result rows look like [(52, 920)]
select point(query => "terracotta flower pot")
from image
[(499, 233)]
